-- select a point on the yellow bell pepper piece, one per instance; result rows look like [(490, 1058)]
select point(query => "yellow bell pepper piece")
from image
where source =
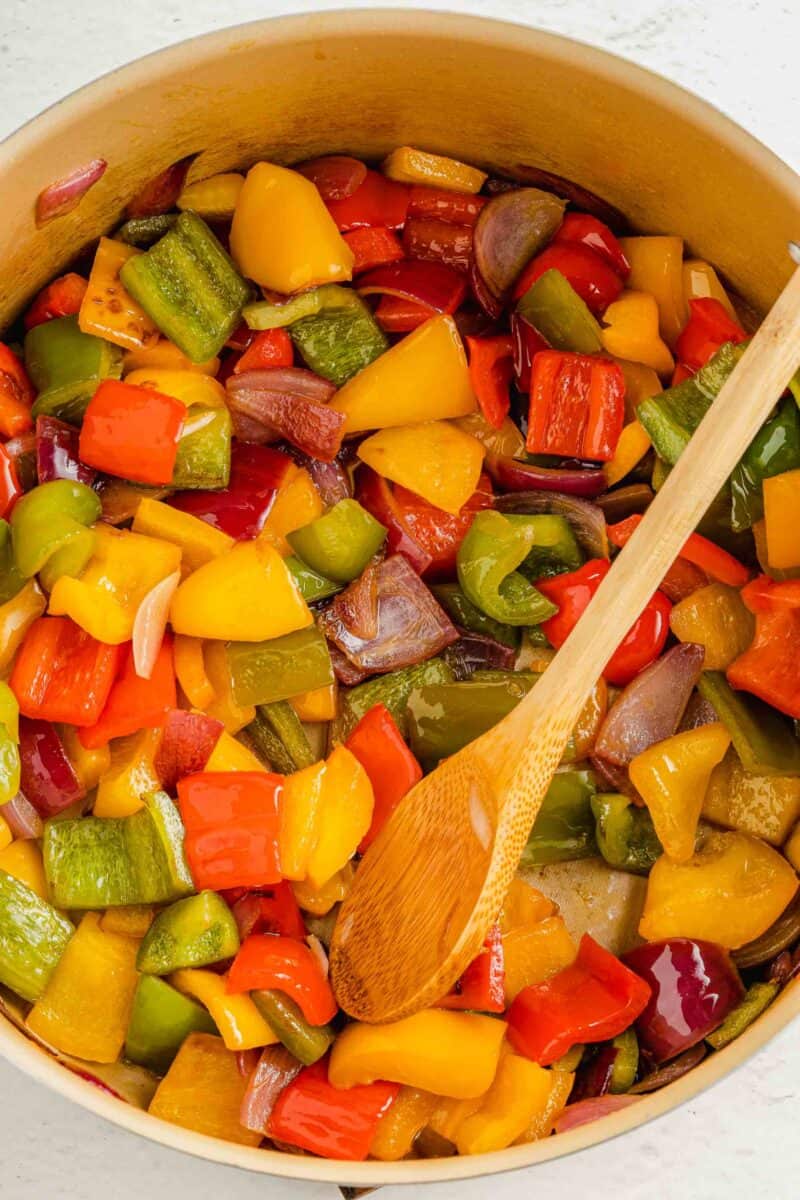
[(533, 953), (407, 165), (792, 847), (782, 519), (203, 1090), (435, 460), (130, 775), (641, 383), (729, 892), (672, 777), (199, 542), (85, 1007), (520, 1092), (632, 332), (89, 765), (507, 441), (317, 705), (319, 901), (633, 444), (524, 905), (449, 1115), (164, 355), (700, 281), (190, 669), (130, 920), (107, 311), (541, 1125), (297, 503), (6, 836), (657, 268), (300, 810), (16, 617), (224, 707), (231, 755), (283, 236), (344, 815), (717, 619), (213, 199), (765, 806), (400, 1124), (125, 566), (424, 377), (23, 860), (247, 594), (236, 1017), (762, 554), (190, 387), (452, 1053)]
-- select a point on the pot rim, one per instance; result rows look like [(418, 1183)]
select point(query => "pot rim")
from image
[(29, 1057)]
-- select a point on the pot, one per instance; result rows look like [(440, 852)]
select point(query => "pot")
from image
[(502, 96)]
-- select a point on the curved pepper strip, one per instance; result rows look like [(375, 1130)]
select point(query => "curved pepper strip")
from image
[(266, 962), (594, 999), (50, 517), (703, 553), (393, 770), (487, 571)]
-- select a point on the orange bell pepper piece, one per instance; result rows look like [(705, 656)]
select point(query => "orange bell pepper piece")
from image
[(203, 1090), (107, 311), (135, 703), (632, 332)]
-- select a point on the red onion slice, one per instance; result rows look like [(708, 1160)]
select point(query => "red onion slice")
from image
[(22, 818), (292, 403), (585, 519), (510, 230), (160, 193), (518, 476), (575, 1115), (65, 194), (276, 1069)]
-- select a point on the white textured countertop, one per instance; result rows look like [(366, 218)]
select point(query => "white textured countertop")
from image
[(740, 1139)]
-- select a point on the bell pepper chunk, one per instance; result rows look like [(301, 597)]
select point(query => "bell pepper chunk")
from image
[(594, 999), (577, 406), (49, 520), (106, 310), (214, 198), (85, 1008), (224, 706), (672, 777), (198, 541), (191, 671), (34, 936), (375, 201), (408, 165), (190, 933), (313, 1115), (277, 669), (774, 451), (282, 236), (700, 280), (626, 835), (120, 419), (16, 395), (239, 1022), (161, 1020), (765, 806), (23, 860), (43, 769), (782, 514), (232, 755), (297, 503), (278, 734), (132, 920), (533, 952), (768, 668), (399, 1126), (709, 327), (319, 901), (454, 1054), (393, 770), (302, 800), (130, 774), (61, 298), (587, 272), (632, 332), (66, 365), (423, 377), (488, 558), (715, 618), (585, 230), (521, 1090), (270, 348), (217, 600), (62, 673), (552, 314), (345, 815), (203, 1091), (135, 703), (267, 962), (435, 460), (491, 366), (339, 544), (318, 704), (232, 822), (657, 268), (372, 248), (481, 988)]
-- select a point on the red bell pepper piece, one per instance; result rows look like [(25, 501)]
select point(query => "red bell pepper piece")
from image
[(334, 175), (680, 373), (577, 406), (10, 487), (332, 1122), (273, 910), (377, 201), (62, 673), (393, 770), (373, 247), (682, 579), (270, 348), (527, 344), (438, 287), (61, 298), (589, 275), (121, 420), (185, 747), (491, 365), (232, 822), (572, 593), (240, 509), (593, 1000), (430, 240), (135, 703), (47, 777), (582, 229), (266, 962), (456, 208), (16, 395), (709, 327), (769, 668), (763, 594), (482, 986), (710, 558), (401, 316), (160, 193)]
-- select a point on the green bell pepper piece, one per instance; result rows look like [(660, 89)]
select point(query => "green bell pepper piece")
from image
[(33, 936), (278, 733), (464, 613), (555, 548), (763, 739), (626, 1064), (339, 544), (339, 342), (264, 314), (45, 521), (66, 366), (71, 559), (161, 1019), (757, 998), (204, 450), (189, 286), (774, 449), (11, 581), (444, 717), (262, 672), (143, 231), (625, 834), (672, 416), (190, 933), (391, 690), (308, 1043), (556, 310), (488, 558), (313, 586), (564, 827)]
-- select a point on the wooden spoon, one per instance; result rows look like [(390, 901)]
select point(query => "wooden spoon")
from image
[(434, 880)]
